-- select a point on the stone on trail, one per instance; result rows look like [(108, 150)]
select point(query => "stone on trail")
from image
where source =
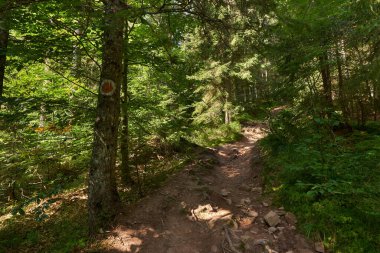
[(246, 238), (214, 249), (229, 201), (261, 242), (257, 189), (272, 230), (251, 213), (265, 204), (245, 201), (280, 212), (319, 247), (224, 192), (205, 212), (246, 222), (290, 218), (245, 187), (254, 230), (272, 219)]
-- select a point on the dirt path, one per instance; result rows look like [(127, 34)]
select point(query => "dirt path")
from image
[(214, 205)]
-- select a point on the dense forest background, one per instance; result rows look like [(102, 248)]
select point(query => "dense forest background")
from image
[(106, 99)]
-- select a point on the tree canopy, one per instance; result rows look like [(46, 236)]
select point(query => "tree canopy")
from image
[(110, 97)]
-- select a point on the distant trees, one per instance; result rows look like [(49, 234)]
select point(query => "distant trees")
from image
[(330, 50), (232, 71)]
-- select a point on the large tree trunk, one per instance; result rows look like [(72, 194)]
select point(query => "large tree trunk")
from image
[(124, 147), (4, 37), (103, 198)]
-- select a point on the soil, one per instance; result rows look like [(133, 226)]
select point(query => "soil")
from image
[(214, 205)]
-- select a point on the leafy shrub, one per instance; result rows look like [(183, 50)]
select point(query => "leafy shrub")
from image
[(332, 183)]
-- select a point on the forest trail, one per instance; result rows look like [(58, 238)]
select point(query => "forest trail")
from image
[(213, 205)]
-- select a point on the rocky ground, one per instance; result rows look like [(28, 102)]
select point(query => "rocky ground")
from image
[(214, 205)]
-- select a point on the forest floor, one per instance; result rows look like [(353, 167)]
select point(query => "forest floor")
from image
[(214, 205)]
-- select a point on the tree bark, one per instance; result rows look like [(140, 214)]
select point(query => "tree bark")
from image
[(103, 198), (77, 54), (375, 102), (245, 93), (228, 102), (124, 147), (326, 80), (4, 38), (342, 95)]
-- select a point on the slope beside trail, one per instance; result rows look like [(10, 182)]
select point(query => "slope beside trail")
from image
[(213, 205)]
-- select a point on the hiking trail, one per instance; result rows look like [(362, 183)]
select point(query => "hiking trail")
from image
[(214, 205)]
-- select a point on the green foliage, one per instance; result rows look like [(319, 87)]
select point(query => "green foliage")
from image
[(38, 159), (331, 182), (68, 223), (213, 136), (45, 144), (193, 73)]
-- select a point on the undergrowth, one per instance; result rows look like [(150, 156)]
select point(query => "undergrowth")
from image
[(207, 136), (44, 175), (331, 180), (44, 155)]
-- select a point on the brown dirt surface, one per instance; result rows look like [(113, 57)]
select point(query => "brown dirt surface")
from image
[(213, 205)]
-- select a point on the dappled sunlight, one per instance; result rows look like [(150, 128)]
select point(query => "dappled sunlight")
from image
[(175, 230), (210, 214), (194, 207), (129, 240), (218, 209), (38, 229), (48, 206), (230, 172), (223, 153), (4, 218)]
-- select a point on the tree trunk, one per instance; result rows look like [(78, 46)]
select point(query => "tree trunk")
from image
[(362, 112), (227, 105), (375, 102), (42, 116), (326, 80), (234, 90), (245, 93), (342, 95), (4, 37), (77, 57), (250, 94), (103, 198), (124, 147), (370, 99)]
